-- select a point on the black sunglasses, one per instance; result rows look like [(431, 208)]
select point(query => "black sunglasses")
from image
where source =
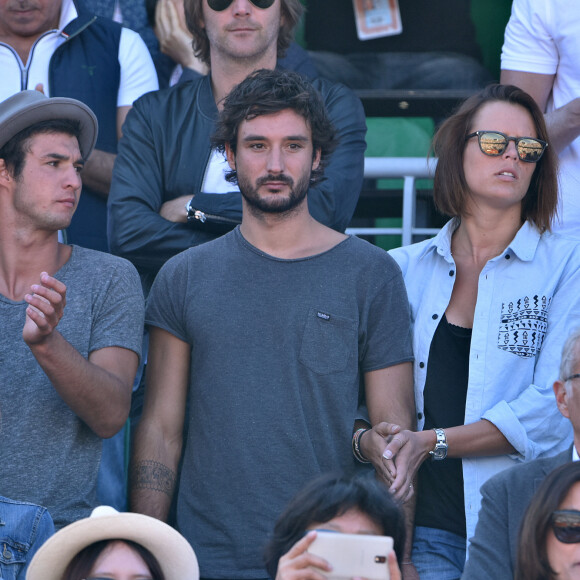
[(566, 526), (494, 143), (219, 5)]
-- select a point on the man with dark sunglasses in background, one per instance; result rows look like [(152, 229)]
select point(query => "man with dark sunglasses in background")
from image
[(169, 190), (492, 550)]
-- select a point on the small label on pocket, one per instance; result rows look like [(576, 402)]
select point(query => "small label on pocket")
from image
[(329, 342)]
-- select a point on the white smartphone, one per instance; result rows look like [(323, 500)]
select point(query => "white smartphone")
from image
[(353, 555)]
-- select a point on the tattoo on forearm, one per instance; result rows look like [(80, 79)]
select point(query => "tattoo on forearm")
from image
[(155, 476)]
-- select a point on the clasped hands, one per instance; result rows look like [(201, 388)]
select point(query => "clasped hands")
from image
[(396, 455)]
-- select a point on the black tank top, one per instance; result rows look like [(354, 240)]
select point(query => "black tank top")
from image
[(440, 500)]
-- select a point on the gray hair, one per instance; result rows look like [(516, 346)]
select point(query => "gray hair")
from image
[(570, 354)]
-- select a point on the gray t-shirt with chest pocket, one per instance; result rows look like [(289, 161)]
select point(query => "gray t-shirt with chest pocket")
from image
[(278, 351)]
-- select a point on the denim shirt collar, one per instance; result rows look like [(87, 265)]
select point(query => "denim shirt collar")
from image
[(523, 245)]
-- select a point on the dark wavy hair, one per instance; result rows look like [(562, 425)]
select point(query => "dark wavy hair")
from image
[(14, 151), (532, 558), (81, 565), (327, 497), (266, 92), (450, 187), (291, 12)]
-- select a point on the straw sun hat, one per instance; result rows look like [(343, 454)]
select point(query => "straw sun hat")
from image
[(173, 552)]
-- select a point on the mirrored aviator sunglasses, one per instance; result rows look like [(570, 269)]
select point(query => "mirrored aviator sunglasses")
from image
[(219, 5), (494, 143), (566, 526)]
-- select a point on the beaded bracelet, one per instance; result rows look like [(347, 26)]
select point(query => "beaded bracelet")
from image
[(356, 446)]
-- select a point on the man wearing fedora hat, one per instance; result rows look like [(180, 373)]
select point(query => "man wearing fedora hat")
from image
[(61, 47), (71, 317)]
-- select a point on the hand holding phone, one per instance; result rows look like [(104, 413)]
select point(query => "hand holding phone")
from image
[(353, 555)]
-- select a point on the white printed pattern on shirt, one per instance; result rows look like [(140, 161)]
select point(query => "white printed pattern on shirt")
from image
[(523, 325)]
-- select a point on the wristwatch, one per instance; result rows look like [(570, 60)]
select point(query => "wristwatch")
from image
[(440, 450)]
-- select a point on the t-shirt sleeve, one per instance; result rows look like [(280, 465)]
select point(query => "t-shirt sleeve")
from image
[(166, 304), (138, 75), (387, 320), (119, 312), (529, 45)]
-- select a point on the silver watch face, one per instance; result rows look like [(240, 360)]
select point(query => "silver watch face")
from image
[(440, 452)]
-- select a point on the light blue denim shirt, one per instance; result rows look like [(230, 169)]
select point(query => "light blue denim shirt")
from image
[(528, 301), (24, 527)]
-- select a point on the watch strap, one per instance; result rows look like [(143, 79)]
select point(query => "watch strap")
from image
[(439, 452)]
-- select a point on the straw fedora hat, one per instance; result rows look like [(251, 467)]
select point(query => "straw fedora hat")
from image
[(173, 552), (27, 108)]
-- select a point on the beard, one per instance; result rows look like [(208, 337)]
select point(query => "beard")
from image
[(274, 203)]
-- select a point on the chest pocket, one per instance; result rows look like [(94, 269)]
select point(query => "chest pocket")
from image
[(12, 558), (523, 325), (328, 342)]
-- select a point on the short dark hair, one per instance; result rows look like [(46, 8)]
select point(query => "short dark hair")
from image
[(266, 92), (327, 497), (14, 151), (450, 187), (80, 566), (532, 557), (291, 12)]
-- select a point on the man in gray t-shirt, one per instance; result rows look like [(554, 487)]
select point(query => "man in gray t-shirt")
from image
[(268, 333), (72, 318)]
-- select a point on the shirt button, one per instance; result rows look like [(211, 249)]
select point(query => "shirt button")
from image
[(451, 272), (435, 316), (507, 256), (421, 365), (419, 416)]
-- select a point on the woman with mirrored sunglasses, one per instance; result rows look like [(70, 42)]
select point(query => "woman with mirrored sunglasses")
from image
[(493, 297), (549, 542)]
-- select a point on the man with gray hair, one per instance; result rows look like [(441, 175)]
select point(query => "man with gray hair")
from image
[(505, 497)]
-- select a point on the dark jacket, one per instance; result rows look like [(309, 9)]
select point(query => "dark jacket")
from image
[(164, 153), (86, 67), (505, 498)]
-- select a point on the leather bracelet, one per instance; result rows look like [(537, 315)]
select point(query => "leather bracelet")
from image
[(356, 446)]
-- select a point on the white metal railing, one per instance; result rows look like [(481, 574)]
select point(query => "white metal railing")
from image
[(409, 169)]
